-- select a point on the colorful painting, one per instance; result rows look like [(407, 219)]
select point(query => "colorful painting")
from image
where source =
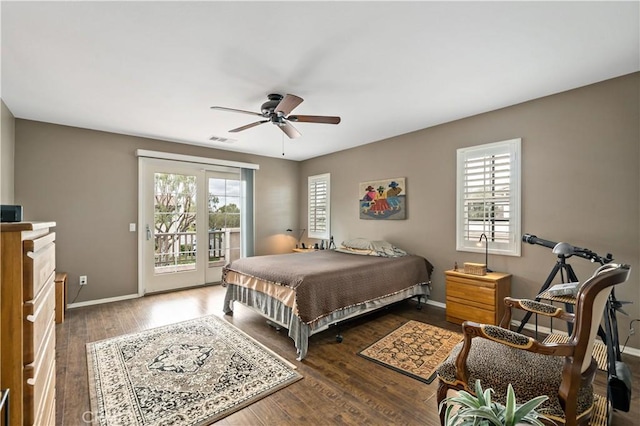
[(383, 199)]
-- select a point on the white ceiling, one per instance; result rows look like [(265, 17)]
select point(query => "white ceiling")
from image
[(153, 69)]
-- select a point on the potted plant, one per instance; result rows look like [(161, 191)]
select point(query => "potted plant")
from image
[(467, 409)]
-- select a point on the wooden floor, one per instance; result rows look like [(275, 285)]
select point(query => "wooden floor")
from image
[(339, 387)]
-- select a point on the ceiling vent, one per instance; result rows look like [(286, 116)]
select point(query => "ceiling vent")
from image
[(221, 139)]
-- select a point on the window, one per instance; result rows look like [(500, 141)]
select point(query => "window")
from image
[(319, 207), (488, 197)]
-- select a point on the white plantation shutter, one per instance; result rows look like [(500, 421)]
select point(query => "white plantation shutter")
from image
[(319, 207), (488, 197)]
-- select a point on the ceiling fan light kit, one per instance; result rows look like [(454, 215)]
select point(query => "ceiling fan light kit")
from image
[(276, 110)]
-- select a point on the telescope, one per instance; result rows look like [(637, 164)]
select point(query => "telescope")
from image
[(567, 250)]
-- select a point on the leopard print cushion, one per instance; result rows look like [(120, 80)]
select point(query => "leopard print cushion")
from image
[(541, 308), (510, 337), (530, 374)]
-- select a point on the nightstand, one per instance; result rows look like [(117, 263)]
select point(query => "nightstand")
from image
[(478, 298), (303, 250)]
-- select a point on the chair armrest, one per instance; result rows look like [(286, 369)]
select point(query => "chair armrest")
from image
[(534, 307), (506, 337), (539, 308)]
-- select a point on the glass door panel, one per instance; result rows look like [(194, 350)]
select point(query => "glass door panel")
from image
[(223, 194), (174, 228), (173, 218)]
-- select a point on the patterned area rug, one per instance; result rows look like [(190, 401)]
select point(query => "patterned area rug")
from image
[(190, 373), (415, 349)]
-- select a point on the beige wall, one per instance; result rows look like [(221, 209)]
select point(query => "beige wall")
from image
[(87, 181), (580, 184), (7, 143)]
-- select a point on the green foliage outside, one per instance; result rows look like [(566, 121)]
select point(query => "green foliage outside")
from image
[(227, 216), (175, 201)]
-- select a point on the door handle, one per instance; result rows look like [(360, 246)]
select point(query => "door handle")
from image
[(148, 233)]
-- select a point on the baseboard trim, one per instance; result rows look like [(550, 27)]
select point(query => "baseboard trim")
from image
[(437, 304), (101, 301)]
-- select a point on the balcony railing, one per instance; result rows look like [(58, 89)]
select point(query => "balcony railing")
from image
[(179, 248)]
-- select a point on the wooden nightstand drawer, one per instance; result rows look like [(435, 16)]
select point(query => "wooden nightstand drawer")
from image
[(458, 313), (474, 280), (476, 298), (472, 292)]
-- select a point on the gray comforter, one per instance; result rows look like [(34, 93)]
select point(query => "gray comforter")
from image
[(325, 281)]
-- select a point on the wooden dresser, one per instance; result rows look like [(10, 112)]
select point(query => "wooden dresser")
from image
[(28, 321), (478, 298)]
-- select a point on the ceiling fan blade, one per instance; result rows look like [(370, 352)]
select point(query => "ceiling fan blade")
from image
[(288, 104), (248, 126), (289, 130), (236, 110), (314, 119)]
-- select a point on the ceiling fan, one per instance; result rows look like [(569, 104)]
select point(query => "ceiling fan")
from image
[(276, 110)]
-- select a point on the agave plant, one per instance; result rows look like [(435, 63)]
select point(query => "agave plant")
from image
[(480, 410)]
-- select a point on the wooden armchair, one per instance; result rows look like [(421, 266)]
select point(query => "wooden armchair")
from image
[(498, 356)]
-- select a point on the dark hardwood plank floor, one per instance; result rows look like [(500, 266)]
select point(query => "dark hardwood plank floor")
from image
[(339, 387)]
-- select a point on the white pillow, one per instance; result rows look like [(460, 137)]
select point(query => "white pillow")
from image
[(372, 248), (350, 250), (358, 243)]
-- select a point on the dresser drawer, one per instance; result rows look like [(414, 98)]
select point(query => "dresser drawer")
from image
[(39, 379), (44, 414), (49, 414), (40, 411), (477, 281), (458, 313), (39, 317), (462, 289), (39, 264)]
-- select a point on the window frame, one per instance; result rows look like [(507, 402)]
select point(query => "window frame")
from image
[(512, 147), (312, 231)]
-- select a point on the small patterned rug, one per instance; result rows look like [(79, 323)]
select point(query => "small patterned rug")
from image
[(415, 349), (190, 373)]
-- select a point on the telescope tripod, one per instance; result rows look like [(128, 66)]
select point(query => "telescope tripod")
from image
[(618, 390), (609, 336), (564, 268)]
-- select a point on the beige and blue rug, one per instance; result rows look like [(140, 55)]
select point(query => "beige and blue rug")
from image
[(190, 373), (415, 349)]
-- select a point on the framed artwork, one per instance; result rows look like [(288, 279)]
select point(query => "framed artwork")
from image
[(383, 199)]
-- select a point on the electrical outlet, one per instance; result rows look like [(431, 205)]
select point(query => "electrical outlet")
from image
[(83, 280)]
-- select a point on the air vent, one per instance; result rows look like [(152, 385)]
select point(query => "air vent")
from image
[(221, 139)]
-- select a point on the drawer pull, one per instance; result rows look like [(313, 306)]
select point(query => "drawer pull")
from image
[(44, 295)]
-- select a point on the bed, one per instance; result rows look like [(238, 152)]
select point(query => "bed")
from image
[(307, 293)]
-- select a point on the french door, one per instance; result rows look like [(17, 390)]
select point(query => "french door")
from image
[(189, 223)]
